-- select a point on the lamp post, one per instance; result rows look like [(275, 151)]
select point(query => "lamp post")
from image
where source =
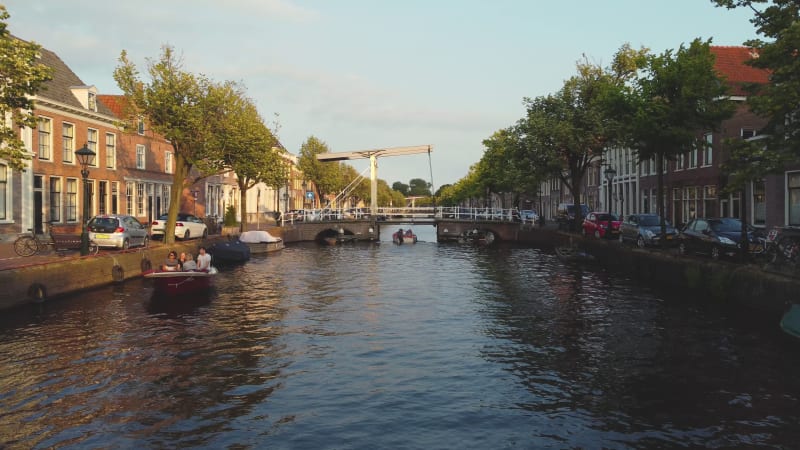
[(305, 193), (85, 159), (610, 173)]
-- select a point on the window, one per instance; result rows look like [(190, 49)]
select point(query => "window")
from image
[(652, 165), (45, 138), (709, 200), (55, 199), (114, 197), (679, 161), (793, 185), (690, 203), (708, 150), (140, 199), (165, 196), (168, 162), (693, 158), (111, 150), (129, 198), (747, 133), (92, 101), (140, 156), (4, 213), (759, 203), (91, 137), (71, 211), (140, 126), (102, 194), (68, 142)]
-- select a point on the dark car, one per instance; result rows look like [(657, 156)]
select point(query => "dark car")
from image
[(715, 237), (565, 215), (645, 230)]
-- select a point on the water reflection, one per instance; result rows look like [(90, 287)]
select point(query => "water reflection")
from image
[(386, 346)]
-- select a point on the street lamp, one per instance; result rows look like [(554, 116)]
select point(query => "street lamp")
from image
[(85, 159), (610, 173), (305, 193)]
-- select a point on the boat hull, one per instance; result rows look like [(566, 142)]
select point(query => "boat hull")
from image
[(264, 247), (181, 283), (405, 240), (229, 252)]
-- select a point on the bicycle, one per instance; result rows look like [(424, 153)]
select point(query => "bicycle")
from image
[(29, 243)]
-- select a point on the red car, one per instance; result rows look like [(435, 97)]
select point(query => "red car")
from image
[(596, 224)]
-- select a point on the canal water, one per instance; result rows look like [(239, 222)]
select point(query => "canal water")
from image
[(426, 346)]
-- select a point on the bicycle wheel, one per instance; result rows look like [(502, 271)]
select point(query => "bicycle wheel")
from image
[(26, 246)]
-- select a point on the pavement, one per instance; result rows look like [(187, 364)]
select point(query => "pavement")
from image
[(10, 260)]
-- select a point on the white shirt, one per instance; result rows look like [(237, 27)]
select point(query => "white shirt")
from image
[(203, 261)]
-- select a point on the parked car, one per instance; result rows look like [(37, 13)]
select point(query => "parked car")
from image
[(565, 215), (117, 231), (596, 224), (714, 237), (529, 216), (187, 226), (645, 230)]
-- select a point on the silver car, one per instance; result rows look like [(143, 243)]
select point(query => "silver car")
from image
[(645, 230), (117, 231)]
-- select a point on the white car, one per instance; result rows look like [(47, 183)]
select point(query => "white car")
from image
[(187, 226)]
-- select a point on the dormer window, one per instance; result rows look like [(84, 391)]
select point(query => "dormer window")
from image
[(92, 101), (86, 95)]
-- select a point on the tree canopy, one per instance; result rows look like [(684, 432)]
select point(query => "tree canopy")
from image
[(22, 76)]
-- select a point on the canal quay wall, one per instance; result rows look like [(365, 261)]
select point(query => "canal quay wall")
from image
[(39, 278), (743, 285)]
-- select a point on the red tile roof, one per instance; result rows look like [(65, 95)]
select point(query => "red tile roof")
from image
[(113, 102), (730, 63)]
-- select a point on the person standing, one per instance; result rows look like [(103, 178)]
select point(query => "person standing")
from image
[(203, 259)]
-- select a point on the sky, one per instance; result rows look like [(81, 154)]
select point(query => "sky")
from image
[(372, 74)]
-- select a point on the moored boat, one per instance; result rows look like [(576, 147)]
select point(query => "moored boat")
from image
[(261, 241), (181, 282), (233, 251)]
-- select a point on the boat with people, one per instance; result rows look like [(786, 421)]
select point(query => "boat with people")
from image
[(180, 282), (261, 241), (404, 237)]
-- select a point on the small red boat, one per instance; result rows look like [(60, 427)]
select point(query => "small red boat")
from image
[(408, 237), (181, 282)]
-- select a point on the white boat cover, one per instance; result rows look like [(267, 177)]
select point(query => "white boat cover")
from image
[(256, 236)]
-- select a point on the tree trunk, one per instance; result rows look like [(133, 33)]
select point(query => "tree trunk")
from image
[(243, 203), (182, 168), (660, 198), (745, 244), (576, 201)]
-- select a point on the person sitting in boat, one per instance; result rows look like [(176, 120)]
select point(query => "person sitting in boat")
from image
[(400, 235), (188, 262), (409, 233), (171, 264), (203, 259)]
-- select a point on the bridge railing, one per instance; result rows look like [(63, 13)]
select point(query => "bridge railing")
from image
[(427, 213)]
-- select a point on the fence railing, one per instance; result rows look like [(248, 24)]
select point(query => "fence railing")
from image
[(396, 214)]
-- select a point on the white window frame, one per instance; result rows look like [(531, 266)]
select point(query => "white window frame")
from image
[(141, 157), (708, 150), (56, 209), (693, 158), (70, 195), (168, 162), (111, 151), (91, 143), (792, 198), (68, 143), (6, 194), (45, 150)]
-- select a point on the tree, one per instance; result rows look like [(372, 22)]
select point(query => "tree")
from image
[(401, 187), (325, 175), (679, 97), (419, 187), (564, 133), (184, 109), (245, 144), (22, 76), (779, 100)]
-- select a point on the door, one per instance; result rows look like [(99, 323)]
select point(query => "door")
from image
[(38, 204)]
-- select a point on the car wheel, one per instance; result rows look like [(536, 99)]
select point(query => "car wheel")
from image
[(126, 244), (640, 242), (681, 248), (597, 234), (186, 235), (205, 233), (715, 252)]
